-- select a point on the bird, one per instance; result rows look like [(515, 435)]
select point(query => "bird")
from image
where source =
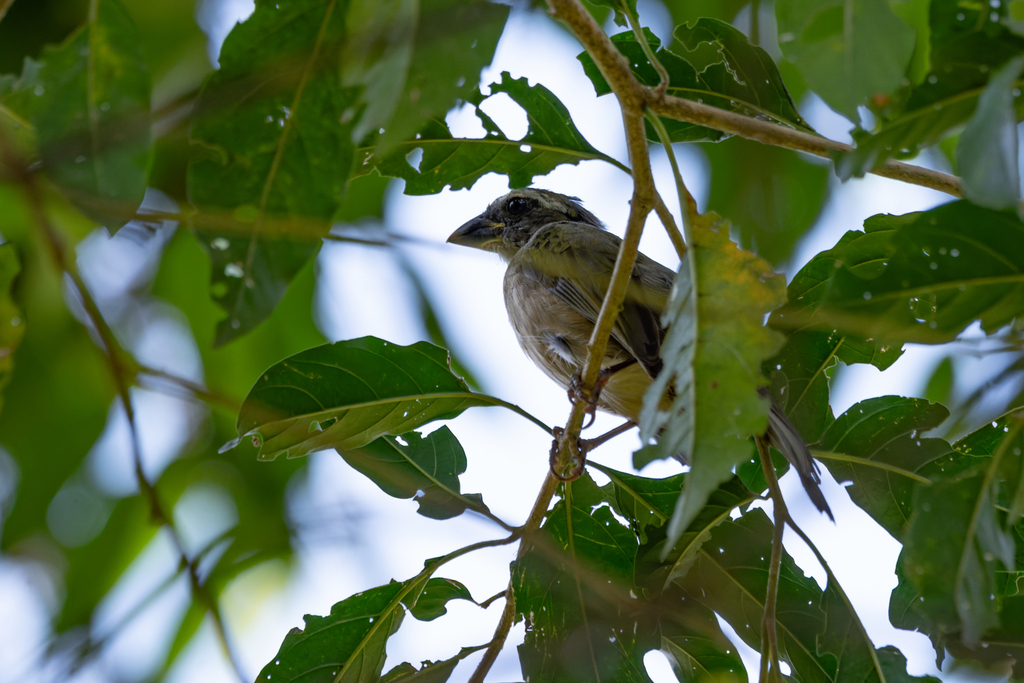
[(560, 260)]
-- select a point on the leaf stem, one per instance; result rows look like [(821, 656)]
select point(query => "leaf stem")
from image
[(769, 635)]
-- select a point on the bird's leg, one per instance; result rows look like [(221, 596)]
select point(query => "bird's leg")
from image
[(587, 445), (577, 393)]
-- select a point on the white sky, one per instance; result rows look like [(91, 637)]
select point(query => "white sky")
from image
[(385, 538)]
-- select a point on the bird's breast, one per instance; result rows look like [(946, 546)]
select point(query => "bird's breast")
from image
[(555, 337)]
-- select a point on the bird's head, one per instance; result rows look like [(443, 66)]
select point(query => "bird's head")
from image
[(510, 221)]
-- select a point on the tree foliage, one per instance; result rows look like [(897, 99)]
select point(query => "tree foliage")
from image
[(227, 180)]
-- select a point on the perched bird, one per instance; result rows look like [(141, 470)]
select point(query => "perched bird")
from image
[(560, 261)]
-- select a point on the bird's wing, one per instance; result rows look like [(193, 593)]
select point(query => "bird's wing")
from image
[(574, 262)]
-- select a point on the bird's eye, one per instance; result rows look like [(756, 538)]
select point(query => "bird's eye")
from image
[(517, 206)]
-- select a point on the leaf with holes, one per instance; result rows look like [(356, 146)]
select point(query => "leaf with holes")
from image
[(346, 394), (551, 139), (744, 80)]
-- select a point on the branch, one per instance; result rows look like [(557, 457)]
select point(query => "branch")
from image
[(769, 635), (632, 95), (530, 527)]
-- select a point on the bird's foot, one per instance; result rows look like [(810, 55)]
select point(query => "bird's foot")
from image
[(555, 457), (578, 393)]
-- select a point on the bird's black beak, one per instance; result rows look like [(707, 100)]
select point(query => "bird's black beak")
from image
[(477, 233)]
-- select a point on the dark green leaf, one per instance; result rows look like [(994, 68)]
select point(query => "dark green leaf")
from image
[(582, 553), (643, 501), (721, 505), (415, 60), (921, 277), (431, 602), (429, 672), (966, 48), (411, 466), (744, 79), (771, 195), (986, 156), (953, 548), (719, 367), (695, 646), (92, 116), (1002, 438), (730, 577), (275, 157), (746, 74), (346, 394), (551, 139), (347, 645), (12, 327), (847, 52), (877, 445), (846, 640), (17, 102)]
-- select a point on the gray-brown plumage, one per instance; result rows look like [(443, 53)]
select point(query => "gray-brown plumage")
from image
[(560, 262)]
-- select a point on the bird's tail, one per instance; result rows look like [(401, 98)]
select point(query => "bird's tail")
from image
[(783, 435)]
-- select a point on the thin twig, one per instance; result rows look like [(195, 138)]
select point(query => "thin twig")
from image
[(121, 366), (769, 634), (529, 528)]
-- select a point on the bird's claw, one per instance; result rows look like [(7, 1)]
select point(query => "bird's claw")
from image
[(578, 393)]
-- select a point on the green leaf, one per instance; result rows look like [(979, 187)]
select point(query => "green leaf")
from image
[(959, 536), (966, 48), (573, 587), (845, 639), (1003, 437), (986, 156), (771, 195), (877, 445), (643, 501), (696, 648), (17, 101), (846, 51), (922, 277), (415, 60), (346, 394), (746, 74), (717, 367), (743, 79), (424, 468), (620, 7), (351, 639), (275, 159), (951, 550), (12, 327), (431, 601), (92, 118), (730, 576), (429, 672), (680, 558), (551, 139)]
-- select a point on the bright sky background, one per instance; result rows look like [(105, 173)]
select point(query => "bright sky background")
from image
[(355, 536)]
